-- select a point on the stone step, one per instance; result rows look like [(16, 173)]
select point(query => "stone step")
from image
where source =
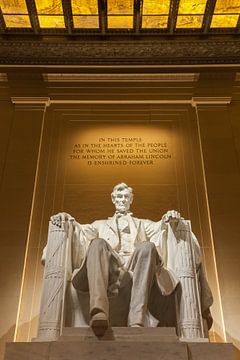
[(134, 334), (120, 350)]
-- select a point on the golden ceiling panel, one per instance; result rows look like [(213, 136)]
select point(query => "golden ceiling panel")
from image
[(17, 21), (13, 6), (192, 7), (86, 22), (85, 7), (49, 6), (51, 21), (224, 21), (154, 22), (156, 7), (120, 22), (121, 7), (227, 6), (188, 22)]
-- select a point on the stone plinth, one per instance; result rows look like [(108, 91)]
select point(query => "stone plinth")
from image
[(119, 344)]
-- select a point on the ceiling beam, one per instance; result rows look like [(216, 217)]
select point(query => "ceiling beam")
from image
[(102, 8), (238, 25), (32, 12), (207, 19), (2, 22), (137, 15), (172, 20), (67, 12)]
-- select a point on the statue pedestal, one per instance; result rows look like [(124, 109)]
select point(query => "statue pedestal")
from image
[(119, 344)]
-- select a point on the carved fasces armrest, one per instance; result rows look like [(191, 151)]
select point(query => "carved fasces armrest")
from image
[(58, 268), (57, 223)]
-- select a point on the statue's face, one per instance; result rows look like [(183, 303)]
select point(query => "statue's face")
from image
[(122, 200)]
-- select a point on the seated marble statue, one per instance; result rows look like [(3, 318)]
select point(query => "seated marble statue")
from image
[(153, 259)]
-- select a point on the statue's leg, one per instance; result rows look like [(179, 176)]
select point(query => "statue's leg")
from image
[(143, 265), (97, 265)]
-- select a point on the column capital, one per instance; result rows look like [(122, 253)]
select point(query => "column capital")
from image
[(210, 100)]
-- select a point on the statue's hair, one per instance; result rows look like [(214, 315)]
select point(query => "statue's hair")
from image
[(120, 187)]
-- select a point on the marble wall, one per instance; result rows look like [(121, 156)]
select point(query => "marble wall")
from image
[(21, 133)]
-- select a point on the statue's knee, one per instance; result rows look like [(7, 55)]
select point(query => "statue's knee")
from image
[(98, 243), (147, 248)]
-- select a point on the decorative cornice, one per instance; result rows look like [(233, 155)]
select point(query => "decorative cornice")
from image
[(177, 51), (211, 100), (46, 101), (31, 100), (31, 103), (167, 77)]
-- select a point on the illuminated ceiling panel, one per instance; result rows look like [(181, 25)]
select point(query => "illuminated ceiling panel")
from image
[(187, 7), (226, 14), (115, 9), (120, 7), (156, 7), (86, 22), (120, 22), (17, 21), (119, 15), (224, 21), (227, 6), (15, 13), (85, 7), (154, 14), (190, 14), (51, 7), (189, 22), (154, 22), (50, 13), (51, 21), (13, 6)]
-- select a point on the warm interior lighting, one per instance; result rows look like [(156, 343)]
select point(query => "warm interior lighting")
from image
[(120, 7), (85, 14), (13, 6), (15, 13), (120, 22), (17, 21), (156, 7), (85, 7), (154, 22), (187, 7), (86, 22), (115, 9), (227, 6), (224, 21), (190, 14), (154, 14), (226, 14), (51, 21), (50, 13), (49, 7), (189, 21)]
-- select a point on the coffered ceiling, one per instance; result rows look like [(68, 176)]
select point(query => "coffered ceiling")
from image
[(159, 17)]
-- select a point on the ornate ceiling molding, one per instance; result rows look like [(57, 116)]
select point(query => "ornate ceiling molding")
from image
[(187, 51), (132, 77)]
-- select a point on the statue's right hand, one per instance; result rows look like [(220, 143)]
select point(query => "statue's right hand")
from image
[(60, 218)]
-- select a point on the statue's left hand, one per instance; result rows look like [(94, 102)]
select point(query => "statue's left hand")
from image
[(171, 215)]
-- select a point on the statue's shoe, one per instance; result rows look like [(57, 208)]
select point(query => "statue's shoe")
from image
[(99, 323)]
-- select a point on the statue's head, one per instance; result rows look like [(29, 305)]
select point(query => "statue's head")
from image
[(122, 197)]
